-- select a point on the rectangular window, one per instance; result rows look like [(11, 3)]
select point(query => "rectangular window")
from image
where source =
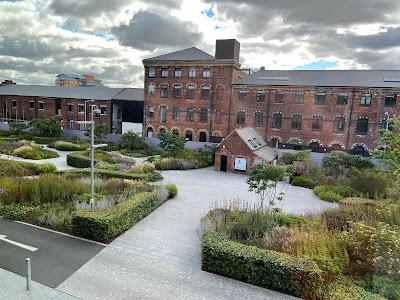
[(152, 72), (150, 112), (190, 92), (164, 91), (81, 108), (40, 105), (82, 126), (204, 115), (320, 98), (177, 91), (366, 99), (71, 124), (189, 114), (342, 99), (241, 118), (362, 126), (175, 113), (151, 88), (163, 114), (164, 72), (297, 122), (14, 103), (205, 92), (299, 98), (70, 107), (316, 123), (217, 116), (206, 73), (103, 110), (339, 124), (279, 97), (277, 121), (390, 100), (192, 72), (258, 119), (243, 95), (260, 96), (31, 104), (178, 72)]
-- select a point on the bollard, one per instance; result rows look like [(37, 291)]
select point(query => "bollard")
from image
[(28, 274)]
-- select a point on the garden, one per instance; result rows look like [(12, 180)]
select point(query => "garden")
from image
[(349, 252)]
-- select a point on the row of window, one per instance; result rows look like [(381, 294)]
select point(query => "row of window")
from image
[(151, 73), (176, 114), (297, 122), (70, 107), (205, 91), (319, 98)]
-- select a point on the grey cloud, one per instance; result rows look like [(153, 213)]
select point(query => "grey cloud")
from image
[(28, 47), (148, 31)]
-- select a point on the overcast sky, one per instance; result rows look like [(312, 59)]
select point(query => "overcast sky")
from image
[(42, 38)]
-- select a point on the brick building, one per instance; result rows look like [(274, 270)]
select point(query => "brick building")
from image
[(242, 148), (74, 80), (204, 98), (72, 104)]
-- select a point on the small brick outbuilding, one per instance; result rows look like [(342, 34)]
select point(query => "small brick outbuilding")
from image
[(242, 148)]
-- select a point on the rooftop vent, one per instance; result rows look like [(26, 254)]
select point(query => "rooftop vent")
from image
[(262, 68), (274, 78), (391, 79)]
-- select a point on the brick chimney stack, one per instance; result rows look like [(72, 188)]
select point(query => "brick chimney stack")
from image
[(227, 49)]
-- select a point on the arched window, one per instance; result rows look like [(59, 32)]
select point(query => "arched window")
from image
[(175, 132), (189, 135), (149, 132)]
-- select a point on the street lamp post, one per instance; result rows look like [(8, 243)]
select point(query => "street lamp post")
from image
[(91, 100)]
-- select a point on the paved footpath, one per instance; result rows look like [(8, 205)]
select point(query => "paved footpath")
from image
[(159, 258), (13, 286)]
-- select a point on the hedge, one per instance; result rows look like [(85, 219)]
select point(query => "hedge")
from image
[(274, 270), (103, 173), (68, 146), (19, 212), (78, 160), (304, 181), (105, 224), (45, 140)]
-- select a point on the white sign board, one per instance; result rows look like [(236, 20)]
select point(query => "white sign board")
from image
[(240, 164), (135, 127)]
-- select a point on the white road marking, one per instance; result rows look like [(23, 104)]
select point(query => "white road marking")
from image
[(4, 238)]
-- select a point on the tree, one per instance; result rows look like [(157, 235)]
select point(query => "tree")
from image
[(171, 142), (338, 163), (100, 132), (18, 128), (391, 138), (46, 128), (132, 141), (263, 180)]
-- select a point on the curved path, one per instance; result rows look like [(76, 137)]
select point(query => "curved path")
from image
[(159, 258)]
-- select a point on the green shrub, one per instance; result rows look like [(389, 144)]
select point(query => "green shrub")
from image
[(346, 289), (19, 212), (304, 181), (131, 141), (370, 184), (46, 128), (167, 163), (290, 220), (46, 188), (290, 157), (358, 201), (388, 287), (278, 271), (12, 168), (339, 163), (78, 160), (44, 140), (111, 174), (333, 193), (45, 168), (171, 143), (105, 224), (172, 190), (68, 146)]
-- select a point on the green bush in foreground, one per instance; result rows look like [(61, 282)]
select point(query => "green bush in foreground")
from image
[(12, 168), (333, 193), (279, 271), (78, 160), (345, 289), (68, 146), (18, 212), (105, 224), (304, 181), (172, 190)]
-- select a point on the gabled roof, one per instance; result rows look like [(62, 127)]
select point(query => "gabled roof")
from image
[(130, 94), (192, 53), (322, 78), (97, 93), (251, 137)]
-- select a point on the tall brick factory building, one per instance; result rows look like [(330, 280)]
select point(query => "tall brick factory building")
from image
[(205, 97)]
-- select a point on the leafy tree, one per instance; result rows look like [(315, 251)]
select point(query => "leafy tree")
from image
[(171, 142), (339, 163), (263, 180), (132, 141), (391, 154), (18, 128), (46, 128)]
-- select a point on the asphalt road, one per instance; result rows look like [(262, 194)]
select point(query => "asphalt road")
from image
[(56, 258)]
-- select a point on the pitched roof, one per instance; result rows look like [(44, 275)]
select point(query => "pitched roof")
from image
[(192, 53), (132, 94), (251, 137), (328, 78), (97, 93)]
